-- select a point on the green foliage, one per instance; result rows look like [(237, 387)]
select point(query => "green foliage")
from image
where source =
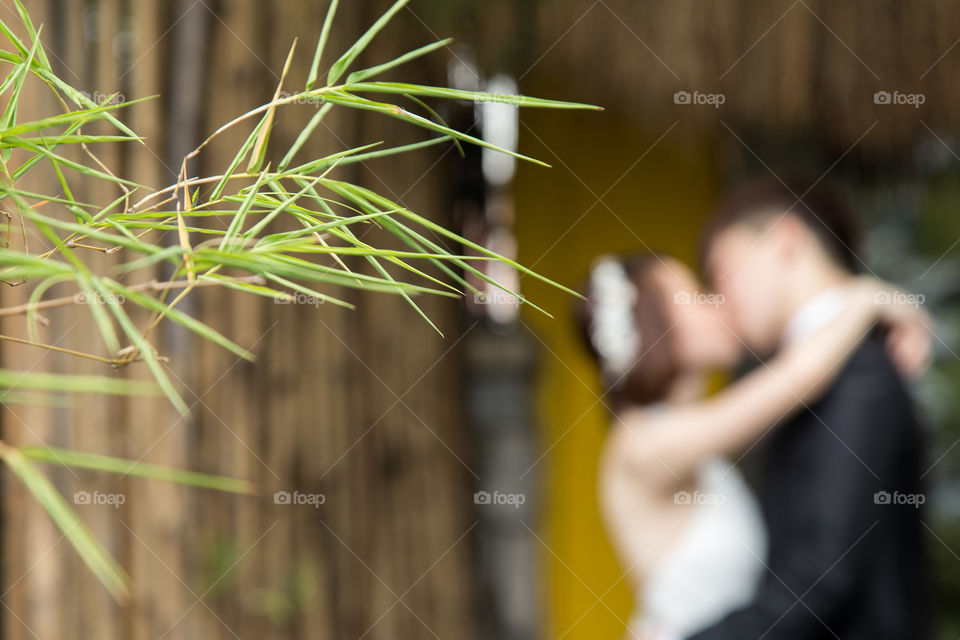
[(259, 230)]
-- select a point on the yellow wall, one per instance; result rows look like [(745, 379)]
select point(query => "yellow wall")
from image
[(662, 200)]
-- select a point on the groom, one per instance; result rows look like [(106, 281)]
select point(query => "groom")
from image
[(841, 487)]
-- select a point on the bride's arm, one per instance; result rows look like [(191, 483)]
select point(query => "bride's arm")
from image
[(675, 440)]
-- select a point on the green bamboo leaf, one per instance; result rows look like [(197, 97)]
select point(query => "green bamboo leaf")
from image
[(159, 226), (265, 220), (247, 287), (437, 117), (110, 464), (44, 197), (284, 298), (55, 83), (382, 271), (49, 141), (84, 278), (105, 211), (103, 566), (394, 111), (302, 246), (14, 40), (341, 65), (171, 254), (91, 295), (321, 44), (9, 80), (34, 399), (34, 34), (259, 152), (181, 318), (275, 238), (10, 113), (295, 244), (304, 135), (323, 164), (382, 153), (363, 74), (25, 143), (134, 244), (14, 257), (237, 223), (144, 349), (244, 149), (80, 117), (295, 268), (79, 214), (63, 383), (471, 96), (36, 296), (390, 224), (439, 229), (408, 235)]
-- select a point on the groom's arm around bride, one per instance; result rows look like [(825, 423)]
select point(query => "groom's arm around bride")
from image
[(842, 504)]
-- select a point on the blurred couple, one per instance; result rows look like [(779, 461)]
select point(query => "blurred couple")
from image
[(833, 547)]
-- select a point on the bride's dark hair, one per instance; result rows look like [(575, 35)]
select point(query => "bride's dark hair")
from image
[(651, 370)]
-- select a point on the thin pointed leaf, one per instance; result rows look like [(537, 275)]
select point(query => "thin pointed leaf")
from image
[(304, 135), (260, 147), (207, 333), (394, 111), (34, 34), (341, 65), (110, 464), (146, 353), (321, 44), (100, 562), (62, 383), (363, 74), (472, 96)]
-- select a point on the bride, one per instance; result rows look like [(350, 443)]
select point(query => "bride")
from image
[(683, 521)]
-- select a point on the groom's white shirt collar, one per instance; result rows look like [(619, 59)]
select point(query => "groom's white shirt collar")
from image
[(815, 314)]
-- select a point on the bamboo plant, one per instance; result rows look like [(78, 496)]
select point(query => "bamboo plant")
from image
[(264, 230)]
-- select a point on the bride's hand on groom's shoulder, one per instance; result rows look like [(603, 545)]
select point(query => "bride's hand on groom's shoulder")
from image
[(909, 339)]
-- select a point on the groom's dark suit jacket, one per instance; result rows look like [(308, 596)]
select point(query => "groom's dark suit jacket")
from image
[(845, 561)]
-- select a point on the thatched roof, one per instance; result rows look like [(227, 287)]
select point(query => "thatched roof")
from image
[(801, 66)]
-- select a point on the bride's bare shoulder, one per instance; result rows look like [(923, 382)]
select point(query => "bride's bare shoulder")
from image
[(630, 429), (634, 442)]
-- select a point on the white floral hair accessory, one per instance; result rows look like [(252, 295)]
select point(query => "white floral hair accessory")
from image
[(613, 329)]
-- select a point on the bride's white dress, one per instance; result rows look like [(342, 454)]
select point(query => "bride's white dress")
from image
[(715, 564)]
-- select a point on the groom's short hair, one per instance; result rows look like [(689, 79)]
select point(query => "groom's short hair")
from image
[(820, 207)]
